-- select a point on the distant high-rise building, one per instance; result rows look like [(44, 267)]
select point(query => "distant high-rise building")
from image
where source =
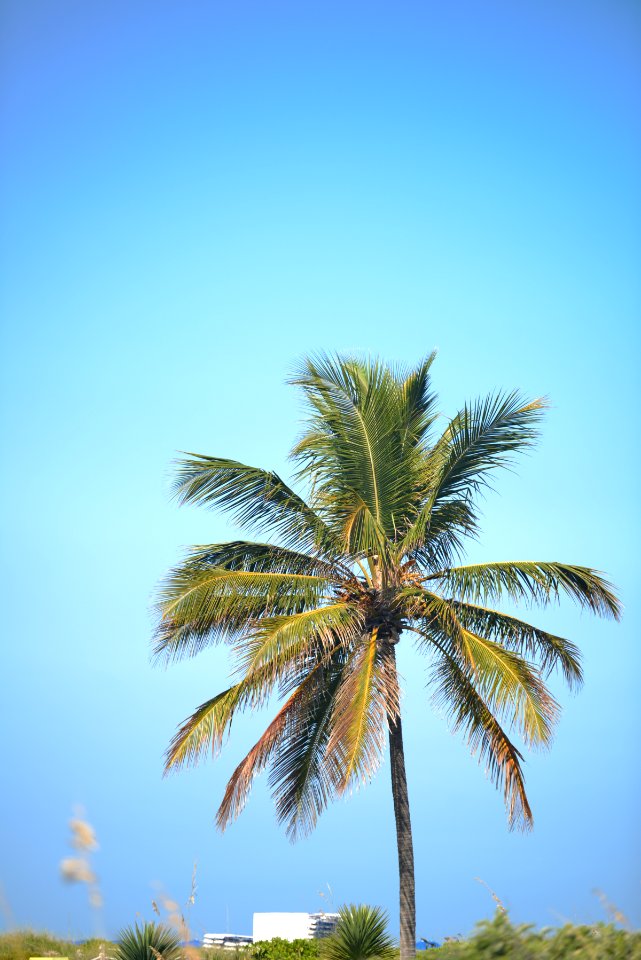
[(294, 926)]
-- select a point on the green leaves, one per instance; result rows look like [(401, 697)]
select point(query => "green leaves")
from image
[(200, 605), (370, 551), (254, 497), (507, 683), (147, 942), (363, 449), (480, 438), (531, 581), (550, 651), (361, 934), (366, 698), (456, 694)]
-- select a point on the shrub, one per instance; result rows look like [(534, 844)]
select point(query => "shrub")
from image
[(23, 944), (500, 938), (151, 941), (361, 934), (279, 949)]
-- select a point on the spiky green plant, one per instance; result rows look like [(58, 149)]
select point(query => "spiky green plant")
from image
[(361, 934), (150, 941), (369, 554)]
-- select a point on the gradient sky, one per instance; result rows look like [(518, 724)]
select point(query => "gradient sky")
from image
[(195, 194)]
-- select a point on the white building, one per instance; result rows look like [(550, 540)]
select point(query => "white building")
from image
[(293, 926), (226, 941)]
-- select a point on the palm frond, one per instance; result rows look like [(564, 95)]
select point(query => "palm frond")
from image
[(255, 557), (257, 498), (278, 644), (359, 453), (531, 581), (292, 713), (467, 711), (442, 541), (416, 403), (304, 776), (550, 651), (480, 438), (507, 682), (203, 731), (201, 605), (367, 698)]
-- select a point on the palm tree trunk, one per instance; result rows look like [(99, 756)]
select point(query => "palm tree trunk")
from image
[(403, 836)]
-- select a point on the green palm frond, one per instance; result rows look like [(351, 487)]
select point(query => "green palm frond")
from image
[(550, 651), (508, 683), (200, 605), (531, 581), (304, 774), (361, 451), (278, 643), (257, 498), (290, 716), (265, 558), (456, 695), (480, 438), (367, 698), (203, 732), (442, 541), (417, 404)]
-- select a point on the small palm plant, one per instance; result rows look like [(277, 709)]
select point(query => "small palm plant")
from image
[(367, 555), (361, 934), (151, 941)]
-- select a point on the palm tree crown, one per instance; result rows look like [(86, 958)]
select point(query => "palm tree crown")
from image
[(372, 551)]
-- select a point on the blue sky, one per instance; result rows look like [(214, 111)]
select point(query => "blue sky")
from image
[(193, 196)]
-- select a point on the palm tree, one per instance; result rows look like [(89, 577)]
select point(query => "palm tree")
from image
[(369, 554)]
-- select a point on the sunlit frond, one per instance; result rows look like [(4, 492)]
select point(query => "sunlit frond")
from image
[(417, 403), (256, 498), (480, 438), (201, 605), (304, 775), (367, 698), (467, 711), (278, 644), (290, 716), (531, 581), (442, 542), (548, 650), (509, 684), (360, 453), (202, 733), (265, 558)]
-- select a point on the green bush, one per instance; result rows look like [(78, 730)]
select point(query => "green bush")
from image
[(501, 938), (361, 934), (279, 949), (22, 944), (148, 942)]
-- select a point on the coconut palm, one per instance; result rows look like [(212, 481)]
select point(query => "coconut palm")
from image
[(368, 553)]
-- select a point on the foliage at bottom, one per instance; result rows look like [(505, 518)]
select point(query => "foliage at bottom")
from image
[(501, 938)]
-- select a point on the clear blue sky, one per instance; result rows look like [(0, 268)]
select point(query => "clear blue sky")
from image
[(193, 195)]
